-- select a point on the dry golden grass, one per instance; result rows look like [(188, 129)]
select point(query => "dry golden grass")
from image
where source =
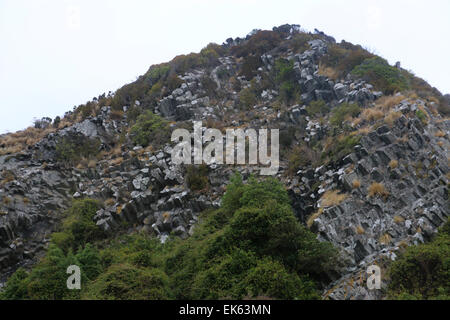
[(385, 239), (412, 95), (372, 114), (116, 114), (26, 200), (360, 230), (166, 216), (92, 163), (332, 198), (119, 209), (6, 200), (356, 184), (313, 217), (399, 219), (440, 143), (116, 161), (439, 134), (393, 164), (328, 72), (363, 131), (20, 140), (109, 202), (377, 189), (7, 176), (391, 117), (388, 102)]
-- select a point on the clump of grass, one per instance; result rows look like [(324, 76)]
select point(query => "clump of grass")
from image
[(372, 114), (360, 230), (332, 198), (391, 117), (399, 219), (385, 239), (356, 184), (109, 202), (388, 102), (313, 217), (6, 200), (393, 164), (439, 134), (377, 189)]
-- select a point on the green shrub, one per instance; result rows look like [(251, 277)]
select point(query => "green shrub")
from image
[(384, 77), (150, 129), (127, 282), (247, 98), (285, 78), (250, 67), (301, 156), (422, 117), (318, 107), (78, 227), (271, 279), (423, 271), (71, 149), (341, 147), (342, 112), (344, 57), (252, 246), (197, 177), (258, 44), (16, 287)]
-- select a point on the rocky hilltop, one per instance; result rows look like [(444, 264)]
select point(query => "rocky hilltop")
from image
[(364, 152)]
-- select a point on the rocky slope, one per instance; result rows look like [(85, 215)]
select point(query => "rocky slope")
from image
[(143, 190)]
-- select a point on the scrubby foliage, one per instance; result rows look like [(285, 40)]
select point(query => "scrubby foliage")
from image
[(71, 149), (343, 112), (252, 246), (258, 44), (384, 77), (150, 129), (285, 80), (423, 271), (197, 177), (79, 228), (345, 57)]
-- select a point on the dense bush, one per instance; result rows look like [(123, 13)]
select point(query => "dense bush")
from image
[(47, 280), (78, 227), (258, 44), (247, 98), (128, 282), (71, 149), (344, 57), (252, 246), (285, 79), (250, 67), (423, 271), (342, 112), (197, 177), (384, 77), (150, 129), (339, 147), (302, 156), (317, 108)]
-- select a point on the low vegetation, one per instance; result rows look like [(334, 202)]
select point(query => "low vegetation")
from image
[(252, 246), (422, 271), (150, 129)]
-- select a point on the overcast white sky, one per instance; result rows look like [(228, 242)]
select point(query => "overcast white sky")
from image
[(55, 54)]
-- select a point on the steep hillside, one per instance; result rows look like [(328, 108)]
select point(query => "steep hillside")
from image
[(364, 167)]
